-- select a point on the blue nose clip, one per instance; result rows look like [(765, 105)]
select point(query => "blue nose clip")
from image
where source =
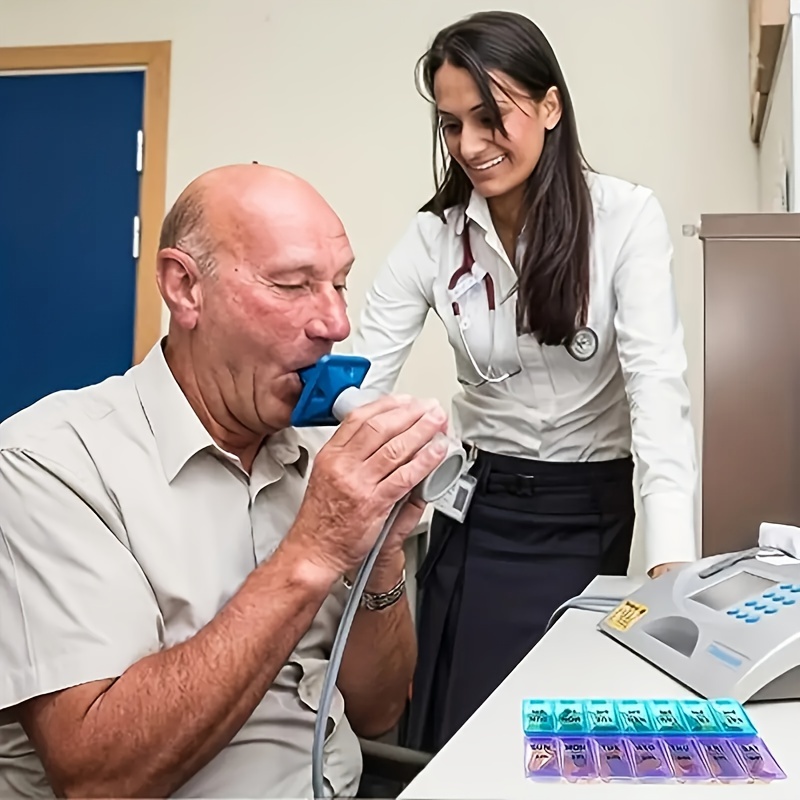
[(322, 384)]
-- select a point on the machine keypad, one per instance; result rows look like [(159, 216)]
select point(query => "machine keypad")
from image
[(768, 603)]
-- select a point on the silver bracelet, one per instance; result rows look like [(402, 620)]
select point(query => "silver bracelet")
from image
[(377, 601)]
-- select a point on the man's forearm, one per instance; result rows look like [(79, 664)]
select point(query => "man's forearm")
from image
[(379, 660), (172, 712)]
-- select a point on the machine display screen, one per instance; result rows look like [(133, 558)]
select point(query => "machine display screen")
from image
[(733, 590)]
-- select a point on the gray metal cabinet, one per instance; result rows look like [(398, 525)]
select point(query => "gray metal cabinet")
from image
[(751, 414)]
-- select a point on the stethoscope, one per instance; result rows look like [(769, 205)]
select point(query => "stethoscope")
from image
[(582, 346)]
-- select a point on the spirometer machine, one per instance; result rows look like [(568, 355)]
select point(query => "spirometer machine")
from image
[(725, 626)]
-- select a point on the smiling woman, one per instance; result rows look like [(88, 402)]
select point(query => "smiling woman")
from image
[(504, 111), (554, 285)]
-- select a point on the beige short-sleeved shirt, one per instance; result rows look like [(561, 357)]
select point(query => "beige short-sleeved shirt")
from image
[(123, 531)]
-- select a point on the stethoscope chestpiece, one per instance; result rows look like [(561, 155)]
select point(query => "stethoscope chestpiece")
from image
[(583, 345)]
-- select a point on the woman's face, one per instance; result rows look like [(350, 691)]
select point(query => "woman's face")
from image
[(495, 164)]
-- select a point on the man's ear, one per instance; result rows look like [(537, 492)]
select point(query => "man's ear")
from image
[(179, 283)]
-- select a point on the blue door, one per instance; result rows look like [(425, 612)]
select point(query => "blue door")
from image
[(69, 195)]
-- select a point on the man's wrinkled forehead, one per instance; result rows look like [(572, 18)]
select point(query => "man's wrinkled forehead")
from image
[(321, 255), (324, 250)]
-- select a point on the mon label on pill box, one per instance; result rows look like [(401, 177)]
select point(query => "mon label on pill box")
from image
[(625, 615)]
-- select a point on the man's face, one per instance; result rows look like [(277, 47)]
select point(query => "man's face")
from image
[(274, 304)]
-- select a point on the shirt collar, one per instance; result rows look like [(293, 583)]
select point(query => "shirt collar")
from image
[(478, 212), (177, 430)]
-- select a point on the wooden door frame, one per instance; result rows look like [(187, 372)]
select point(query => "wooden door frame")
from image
[(155, 58)]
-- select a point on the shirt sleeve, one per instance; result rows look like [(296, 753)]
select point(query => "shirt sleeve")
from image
[(653, 359), (75, 606), (395, 309)]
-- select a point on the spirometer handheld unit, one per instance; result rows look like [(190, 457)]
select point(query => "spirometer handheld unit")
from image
[(724, 626), (331, 390)]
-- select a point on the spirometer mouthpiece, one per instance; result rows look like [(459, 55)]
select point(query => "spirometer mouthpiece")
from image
[(442, 478)]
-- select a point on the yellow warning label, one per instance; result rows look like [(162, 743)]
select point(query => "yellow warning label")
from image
[(625, 615)]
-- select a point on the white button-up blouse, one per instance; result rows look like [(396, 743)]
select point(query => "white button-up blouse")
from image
[(630, 397)]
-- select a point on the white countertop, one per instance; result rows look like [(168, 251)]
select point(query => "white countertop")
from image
[(485, 758)]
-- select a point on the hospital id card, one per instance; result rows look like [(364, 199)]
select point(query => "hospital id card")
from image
[(455, 502)]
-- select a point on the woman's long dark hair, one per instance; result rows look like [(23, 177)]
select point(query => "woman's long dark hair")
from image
[(553, 277)]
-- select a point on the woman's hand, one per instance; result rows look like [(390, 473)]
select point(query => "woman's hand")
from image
[(660, 569)]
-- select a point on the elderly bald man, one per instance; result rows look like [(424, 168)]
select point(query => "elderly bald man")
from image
[(172, 553)]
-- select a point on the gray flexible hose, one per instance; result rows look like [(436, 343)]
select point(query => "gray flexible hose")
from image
[(584, 603), (337, 652)]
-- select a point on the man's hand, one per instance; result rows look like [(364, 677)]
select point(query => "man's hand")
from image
[(660, 569), (389, 564), (376, 457)]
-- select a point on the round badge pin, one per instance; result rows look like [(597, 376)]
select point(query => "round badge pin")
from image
[(583, 345)]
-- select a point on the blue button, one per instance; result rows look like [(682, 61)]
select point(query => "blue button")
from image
[(785, 586), (778, 598), (750, 603), (733, 612), (789, 602), (742, 615), (754, 618), (760, 607), (795, 589), (767, 595), (772, 610)]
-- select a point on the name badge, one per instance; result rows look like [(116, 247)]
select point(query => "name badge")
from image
[(469, 280), (455, 503)]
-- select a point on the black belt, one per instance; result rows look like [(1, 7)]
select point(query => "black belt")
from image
[(521, 475)]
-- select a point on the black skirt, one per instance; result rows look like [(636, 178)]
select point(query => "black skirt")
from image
[(536, 534)]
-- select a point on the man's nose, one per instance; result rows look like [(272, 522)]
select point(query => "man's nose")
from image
[(330, 320)]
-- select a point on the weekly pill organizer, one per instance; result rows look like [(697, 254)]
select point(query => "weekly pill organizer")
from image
[(646, 741)]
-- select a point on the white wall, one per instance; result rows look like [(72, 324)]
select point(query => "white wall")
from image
[(325, 88)]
